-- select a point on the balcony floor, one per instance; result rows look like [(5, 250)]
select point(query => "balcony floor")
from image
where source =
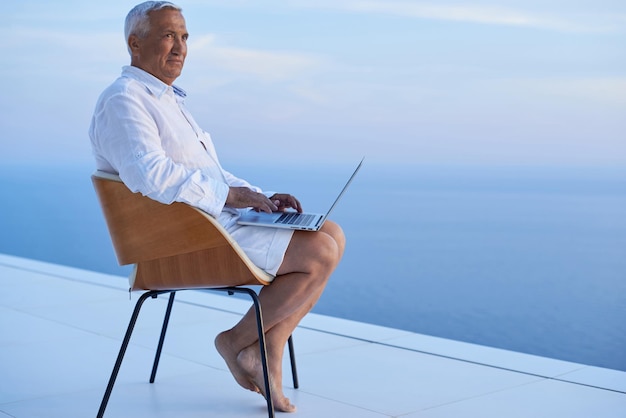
[(61, 328)]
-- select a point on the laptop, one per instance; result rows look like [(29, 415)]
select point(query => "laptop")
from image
[(291, 219)]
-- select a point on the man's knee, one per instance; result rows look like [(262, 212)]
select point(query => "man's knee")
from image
[(314, 252), (328, 245), (323, 251), (334, 230)]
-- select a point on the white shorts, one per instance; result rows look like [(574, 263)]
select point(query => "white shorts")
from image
[(265, 247)]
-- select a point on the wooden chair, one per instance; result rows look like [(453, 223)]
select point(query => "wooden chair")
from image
[(176, 247)]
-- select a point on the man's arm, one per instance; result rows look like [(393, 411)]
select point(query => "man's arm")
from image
[(127, 137)]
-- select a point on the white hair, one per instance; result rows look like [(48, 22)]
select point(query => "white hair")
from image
[(138, 22)]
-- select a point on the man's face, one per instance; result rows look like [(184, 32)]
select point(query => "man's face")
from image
[(162, 52)]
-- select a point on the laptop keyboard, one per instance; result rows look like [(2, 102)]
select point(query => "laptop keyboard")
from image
[(294, 218)]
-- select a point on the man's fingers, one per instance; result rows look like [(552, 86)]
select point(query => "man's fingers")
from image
[(242, 197), (285, 201)]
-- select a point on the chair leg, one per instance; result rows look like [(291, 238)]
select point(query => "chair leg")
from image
[(122, 352), (292, 359), (166, 321), (263, 350), (262, 346)]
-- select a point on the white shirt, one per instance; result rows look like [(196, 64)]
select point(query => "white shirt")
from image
[(141, 130)]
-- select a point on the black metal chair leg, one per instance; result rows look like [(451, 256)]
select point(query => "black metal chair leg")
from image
[(262, 346), (120, 356), (292, 359), (166, 321), (263, 349)]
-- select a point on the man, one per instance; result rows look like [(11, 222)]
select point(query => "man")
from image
[(142, 131)]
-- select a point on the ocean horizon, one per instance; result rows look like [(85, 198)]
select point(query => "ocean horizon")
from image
[(526, 259)]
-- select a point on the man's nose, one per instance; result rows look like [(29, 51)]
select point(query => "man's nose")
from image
[(179, 46)]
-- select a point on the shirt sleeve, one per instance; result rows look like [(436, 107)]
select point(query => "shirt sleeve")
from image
[(127, 136)]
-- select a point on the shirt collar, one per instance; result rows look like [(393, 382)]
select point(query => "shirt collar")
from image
[(153, 84)]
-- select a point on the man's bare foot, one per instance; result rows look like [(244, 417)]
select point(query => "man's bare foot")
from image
[(249, 359), (230, 357)]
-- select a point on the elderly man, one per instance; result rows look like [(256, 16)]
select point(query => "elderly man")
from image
[(142, 131)]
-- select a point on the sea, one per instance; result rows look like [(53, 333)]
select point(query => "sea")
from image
[(529, 259)]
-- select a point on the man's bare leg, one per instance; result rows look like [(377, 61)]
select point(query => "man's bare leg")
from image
[(300, 282), (276, 339)]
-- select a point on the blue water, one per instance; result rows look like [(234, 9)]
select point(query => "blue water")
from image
[(530, 260)]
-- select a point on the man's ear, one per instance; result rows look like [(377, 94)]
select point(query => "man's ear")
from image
[(133, 44)]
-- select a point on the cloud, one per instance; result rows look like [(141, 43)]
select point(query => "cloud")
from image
[(609, 91), (264, 65), (40, 52), (476, 13)]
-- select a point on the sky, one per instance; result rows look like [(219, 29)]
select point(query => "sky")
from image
[(508, 82)]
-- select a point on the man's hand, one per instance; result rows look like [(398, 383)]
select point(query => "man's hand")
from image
[(243, 197), (286, 201)]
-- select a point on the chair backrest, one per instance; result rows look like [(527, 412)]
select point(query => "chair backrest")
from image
[(173, 246)]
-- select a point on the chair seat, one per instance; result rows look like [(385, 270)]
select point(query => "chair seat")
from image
[(173, 246)]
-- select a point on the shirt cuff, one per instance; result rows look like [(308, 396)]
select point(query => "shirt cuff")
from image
[(214, 204)]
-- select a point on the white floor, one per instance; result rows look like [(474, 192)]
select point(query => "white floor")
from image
[(61, 328)]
